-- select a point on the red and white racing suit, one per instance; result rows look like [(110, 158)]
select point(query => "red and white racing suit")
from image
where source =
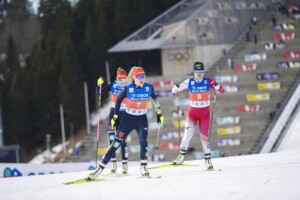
[(198, 111)]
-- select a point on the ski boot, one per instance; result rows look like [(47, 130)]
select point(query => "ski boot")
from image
[(179, 160), (113, 165), (144, 169), (124, 167), (98, 171), (208, 162)]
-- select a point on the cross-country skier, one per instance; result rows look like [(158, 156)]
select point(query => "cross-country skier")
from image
[(116, 88), (198, 111), (137, 95)]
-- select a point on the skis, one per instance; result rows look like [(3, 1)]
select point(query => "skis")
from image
[(173, 165), (79, 181)]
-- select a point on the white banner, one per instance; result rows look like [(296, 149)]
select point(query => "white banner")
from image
[(12, 169)]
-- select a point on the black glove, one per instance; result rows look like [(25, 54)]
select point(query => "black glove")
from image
[(217, 86)]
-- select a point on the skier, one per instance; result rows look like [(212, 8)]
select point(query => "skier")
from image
[(199, 92), (115, 88), (137, 95)]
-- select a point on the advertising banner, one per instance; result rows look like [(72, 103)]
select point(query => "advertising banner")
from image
[(170, 135), (284, 36), (258, 97), (162, 84), (176, 125), (268, 86), (231, 88), (267, 76), (228, 120), (283, 27), (248, 108), (181, 102), (13, 170), (226, 79), (289, 64), (201, 155), (274, 45), (228, 142), (255, 57), (245, 67), (229, 130)]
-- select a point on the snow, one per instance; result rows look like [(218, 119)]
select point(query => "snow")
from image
[(263, 176), (269, 176)]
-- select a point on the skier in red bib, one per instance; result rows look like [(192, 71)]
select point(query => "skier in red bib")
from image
[(116, 88), (198, 111)]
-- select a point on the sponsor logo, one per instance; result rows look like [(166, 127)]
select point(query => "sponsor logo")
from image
[(121, 134), (142, 95), (208, 146)]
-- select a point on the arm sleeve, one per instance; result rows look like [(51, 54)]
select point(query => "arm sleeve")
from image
[(212, 84), (184, 85), (120, 98), (155, 99), (104, 89)]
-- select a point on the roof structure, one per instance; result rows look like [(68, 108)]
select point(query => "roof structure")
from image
[(211, 22)]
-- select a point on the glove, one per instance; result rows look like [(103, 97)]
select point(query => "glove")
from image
[(160, 117), (114, 121), (175, 89), (100, 81), (217, 86)]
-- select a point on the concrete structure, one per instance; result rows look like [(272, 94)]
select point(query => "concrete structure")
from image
[(193, 30)]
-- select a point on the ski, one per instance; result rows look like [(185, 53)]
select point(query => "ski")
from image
[(173, 165), (213, 170), (150, 177), (79, 181)]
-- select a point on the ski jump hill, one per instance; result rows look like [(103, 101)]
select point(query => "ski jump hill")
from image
[(260, 176)]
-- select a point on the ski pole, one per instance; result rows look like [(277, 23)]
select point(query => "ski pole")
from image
[(158, 130), (212, 114), (178, 117), (98, 126)]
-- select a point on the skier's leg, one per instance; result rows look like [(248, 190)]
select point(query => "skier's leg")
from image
[(125, 152), (188, 134), (111, 137), (204, 136), (123, 130), (142, 131)]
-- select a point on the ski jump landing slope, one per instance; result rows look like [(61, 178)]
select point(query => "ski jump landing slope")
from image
[(263, 176)]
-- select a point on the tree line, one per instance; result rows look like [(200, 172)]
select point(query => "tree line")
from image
[(72, 50)]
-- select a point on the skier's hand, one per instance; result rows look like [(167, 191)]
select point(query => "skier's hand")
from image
[(175, 89), (100, 81), (114, 121), (217, 86), (160, 117)]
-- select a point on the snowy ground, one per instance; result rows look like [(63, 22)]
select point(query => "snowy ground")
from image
[(272, 176), (264, 176)]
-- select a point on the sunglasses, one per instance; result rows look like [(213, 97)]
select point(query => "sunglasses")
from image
[(121, 80), (140, 76), (199, 71)]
